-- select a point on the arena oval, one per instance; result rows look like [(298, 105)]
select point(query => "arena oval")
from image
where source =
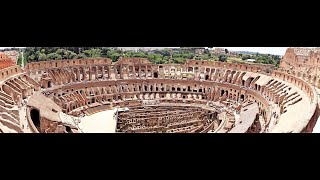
[(198, 96)]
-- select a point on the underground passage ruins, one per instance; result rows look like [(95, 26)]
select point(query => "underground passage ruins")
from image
[(133, 95)]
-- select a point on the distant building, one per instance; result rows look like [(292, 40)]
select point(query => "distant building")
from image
[(222, 51), (134, 49), (5, 61), (218, 51), (199, 51), (233, 53), (250, 60)]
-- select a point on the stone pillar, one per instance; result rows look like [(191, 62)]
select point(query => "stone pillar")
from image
[(121, 71), (139, 70), (115, 70), (96, 72), (81, 78), (152, 72), (83, 74), (90, 73), (134, 71), (102, 71), (78, 74), (127, 67), (146, 71), (109, 72)]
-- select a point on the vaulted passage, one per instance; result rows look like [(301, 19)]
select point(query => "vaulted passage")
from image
[(35, 117)]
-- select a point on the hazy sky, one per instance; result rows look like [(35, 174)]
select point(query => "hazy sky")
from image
[(267, 50)]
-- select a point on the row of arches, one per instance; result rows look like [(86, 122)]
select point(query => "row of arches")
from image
[(303, 85)]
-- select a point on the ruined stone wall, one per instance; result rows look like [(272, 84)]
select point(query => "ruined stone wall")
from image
[(9, 72), (166, 119), (123, 82), (74, 84), (301, 59), (5, 61)]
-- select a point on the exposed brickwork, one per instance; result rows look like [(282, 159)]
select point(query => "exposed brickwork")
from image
[(201, 88)]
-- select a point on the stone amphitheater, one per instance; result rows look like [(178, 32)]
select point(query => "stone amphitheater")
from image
[(133, 95)]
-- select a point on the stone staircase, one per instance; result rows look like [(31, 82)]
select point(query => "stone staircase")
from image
[(9, 114)]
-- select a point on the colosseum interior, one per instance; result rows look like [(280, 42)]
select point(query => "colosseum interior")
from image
[(133, 95)]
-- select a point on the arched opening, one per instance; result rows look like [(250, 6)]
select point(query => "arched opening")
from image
[(241, 97), (35, 117), (167, 88), (155, 75), (309, 79), (49, 84), (249, 80)]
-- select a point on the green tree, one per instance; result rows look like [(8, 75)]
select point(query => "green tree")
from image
[(43, 57), (19, 61), (54, 56), (222, 58), (31, 58), (104, 51), (92, 53), (81, 56), (115, 57)]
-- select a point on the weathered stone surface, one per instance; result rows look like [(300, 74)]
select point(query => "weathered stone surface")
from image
[(204, 96)]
